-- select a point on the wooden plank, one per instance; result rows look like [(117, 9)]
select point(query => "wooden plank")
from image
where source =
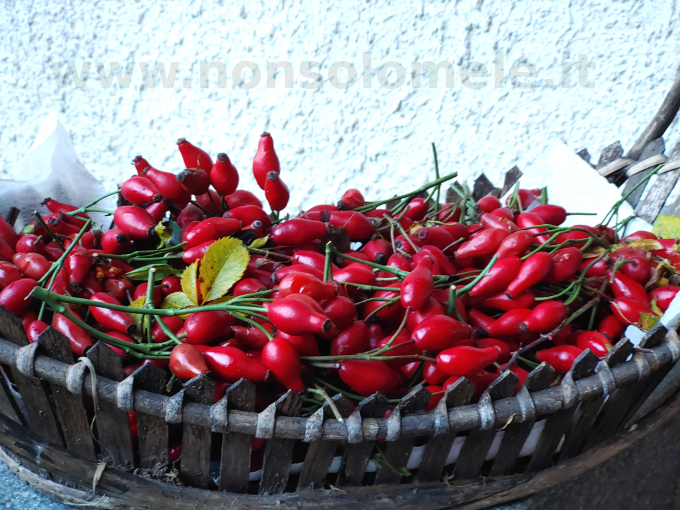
[(70, 407), (651, 206), (398, 451), (438, 447), (557, 423), (321, 453), (516, 434), (483, 187), (356, 455), (478, 442), (608, 155), (584, 155), (511, 177), (113, 429), (196, 440), (39, 413), (651, 149), (235, 458), (152, 431), (278, 453)]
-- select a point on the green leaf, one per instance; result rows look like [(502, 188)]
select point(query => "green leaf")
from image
[(176, 301), (667, 227), (142, 273), (259, 242), (189, 282), (224, 263)]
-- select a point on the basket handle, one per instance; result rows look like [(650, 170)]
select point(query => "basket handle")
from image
[(661, 120)]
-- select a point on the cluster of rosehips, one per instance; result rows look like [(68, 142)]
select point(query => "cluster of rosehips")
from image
[(358, 297)]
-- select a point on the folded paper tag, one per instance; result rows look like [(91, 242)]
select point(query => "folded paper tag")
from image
[(51, 169)]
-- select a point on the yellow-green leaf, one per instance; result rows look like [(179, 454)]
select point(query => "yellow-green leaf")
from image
[(648, 320), (176, 301), (259, 242), (142, 273), (224, 263), (189, 282), (163, 233), (138, 317), (667, 227)]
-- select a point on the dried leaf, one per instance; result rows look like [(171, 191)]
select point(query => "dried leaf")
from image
[(224, 263), (648, 320), (189, 282), (646, 244), (164, 234)]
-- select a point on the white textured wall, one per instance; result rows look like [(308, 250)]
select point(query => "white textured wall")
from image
[(330, 139)]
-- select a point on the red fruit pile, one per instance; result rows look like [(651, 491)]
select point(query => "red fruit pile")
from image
[(355, 298)]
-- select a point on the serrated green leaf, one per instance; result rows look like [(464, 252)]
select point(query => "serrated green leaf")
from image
[(138, 317), (189, 282), (259, 242), (224, 263), (142, 273), (667, 227), (176, 301)]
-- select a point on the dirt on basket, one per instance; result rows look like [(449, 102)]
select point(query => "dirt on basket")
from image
[(159, 472)]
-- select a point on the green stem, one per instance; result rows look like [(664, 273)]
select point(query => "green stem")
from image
[(436, 173), (60, 261), (373, 205), (327, 262), (86, 208)]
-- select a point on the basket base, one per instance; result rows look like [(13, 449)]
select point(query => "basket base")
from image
[(24, 453)]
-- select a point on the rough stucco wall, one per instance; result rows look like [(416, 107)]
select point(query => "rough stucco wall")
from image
[(331, 139)]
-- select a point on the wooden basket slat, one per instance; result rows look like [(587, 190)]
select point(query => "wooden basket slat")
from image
[(8, 406), (651, 149), (152, 431), (478, 442), (196, 439), (557, 423), (70, 407), (438, 447), (39, 413), (589, 411), (516, 434), (397, 452), (235, 456), (321, 453), (113, 424), (356, 455), (278, 453)]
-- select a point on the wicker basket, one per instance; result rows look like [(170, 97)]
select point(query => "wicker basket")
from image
[(459, 454)]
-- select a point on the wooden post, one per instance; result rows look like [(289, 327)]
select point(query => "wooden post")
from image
[(516, 434), (439, 445), (356, 455), (113, 428), (398, 450), (196, 440), (39, 413), (477, 444), (235, 458), (556, 424), (320, 453), (70, 407), (152, 431), (278, 453)]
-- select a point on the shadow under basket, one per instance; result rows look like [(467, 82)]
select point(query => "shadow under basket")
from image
[(464, 455)]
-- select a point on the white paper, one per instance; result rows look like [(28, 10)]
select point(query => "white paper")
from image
[(51, 169), (573, 184)]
